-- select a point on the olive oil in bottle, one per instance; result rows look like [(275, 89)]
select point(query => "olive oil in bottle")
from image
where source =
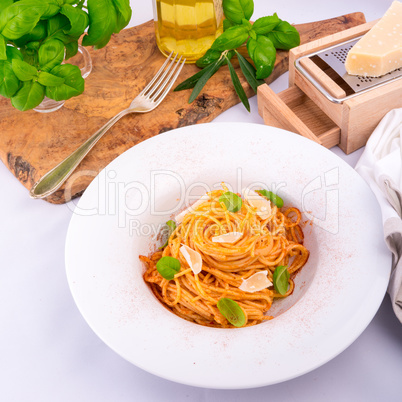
[(188, 27)]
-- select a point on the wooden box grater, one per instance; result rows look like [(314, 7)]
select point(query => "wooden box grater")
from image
[(324, 105)]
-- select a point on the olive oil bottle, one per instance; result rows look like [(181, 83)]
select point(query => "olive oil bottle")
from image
[(187, 27)]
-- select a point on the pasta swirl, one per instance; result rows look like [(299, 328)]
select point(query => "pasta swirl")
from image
[(264, 245)]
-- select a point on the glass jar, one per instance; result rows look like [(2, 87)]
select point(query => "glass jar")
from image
[(188, 27)]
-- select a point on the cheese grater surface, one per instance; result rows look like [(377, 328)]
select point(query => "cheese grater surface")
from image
[(335, 57)]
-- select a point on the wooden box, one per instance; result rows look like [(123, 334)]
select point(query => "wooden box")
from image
[(303, 109)]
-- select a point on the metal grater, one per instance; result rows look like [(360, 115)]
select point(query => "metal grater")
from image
[(335, 57)]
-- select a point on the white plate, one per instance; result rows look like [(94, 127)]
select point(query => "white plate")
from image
[(337, 292)]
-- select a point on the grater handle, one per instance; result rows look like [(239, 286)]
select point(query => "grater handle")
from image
[(323, 79)]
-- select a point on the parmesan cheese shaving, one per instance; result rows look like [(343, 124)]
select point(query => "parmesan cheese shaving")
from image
[(256, 282), (193, 258), (230, 237), (262, 205), (179, 217)]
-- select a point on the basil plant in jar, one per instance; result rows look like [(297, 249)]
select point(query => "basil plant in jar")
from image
[(38, 36)]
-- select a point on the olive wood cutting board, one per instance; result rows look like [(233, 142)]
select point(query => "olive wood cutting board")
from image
[(32, 143)]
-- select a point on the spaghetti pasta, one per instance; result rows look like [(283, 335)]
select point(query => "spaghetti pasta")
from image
[(266, 243)]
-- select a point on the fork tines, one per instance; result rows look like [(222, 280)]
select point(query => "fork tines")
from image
[(163, 79)]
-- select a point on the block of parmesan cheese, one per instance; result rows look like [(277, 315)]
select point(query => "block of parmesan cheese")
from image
[(379, 51)]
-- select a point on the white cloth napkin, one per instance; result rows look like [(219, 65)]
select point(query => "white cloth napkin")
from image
[(381, 166)]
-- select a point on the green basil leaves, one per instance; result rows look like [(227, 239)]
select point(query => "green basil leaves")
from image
[(284, 36), (263, 54), (20, 18), (281, 279), (23, 70), (50, 54), (73, 84), (102, 23), (45, 33), (29, 96), (232, 312), (171, 226), (209, 57), (9, 83), (230, 39), (264, 25), (263, 38), (50, 80), (236, 10), (275, 199), (168, 267), (232, 201), (123, 11), (78, 18)]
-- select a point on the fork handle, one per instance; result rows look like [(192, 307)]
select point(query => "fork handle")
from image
[(55, 178)]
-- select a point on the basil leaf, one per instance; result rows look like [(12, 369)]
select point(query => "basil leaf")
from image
[(102, 23), (284, 36), (21, 17), (47, 79), (232, 201), (236, 10), (56, 28), (263, 54), (56, 25), (168, 267), (29, 96), (281, 279), (71, 49), (209, 57), (50, 54), (227, 24), (232, 312), (249, 72), (73, 83), (23, 70), (275, 199), (78, 18), (123, 10), (246, 24), (208, 72), (237, 85), (38, 33), (3, 48), (53, 8), (230, 39), (265, 24), (171, 225), (5, 3), (33, 47), (9, 83), (13, 53)]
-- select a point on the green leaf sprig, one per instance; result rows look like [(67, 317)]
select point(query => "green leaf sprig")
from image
[(232, 312), (168, 267), (262, 39), (275, 199), (232, 201), (171, 226), (281, 279), (36, 36)]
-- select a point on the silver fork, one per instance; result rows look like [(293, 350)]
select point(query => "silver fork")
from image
[(149, 98)]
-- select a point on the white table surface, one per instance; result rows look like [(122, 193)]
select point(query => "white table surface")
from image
[(49, 353)]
